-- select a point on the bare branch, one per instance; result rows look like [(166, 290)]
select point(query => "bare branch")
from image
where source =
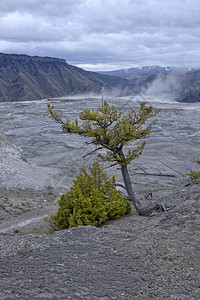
[(111, 165), (173, 169), (89, 143), (148, 211), (149, 195), (154, 174), (92, 152), (120, 185), (142, 169)]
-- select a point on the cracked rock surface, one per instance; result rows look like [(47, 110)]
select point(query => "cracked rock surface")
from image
[(133, 257)]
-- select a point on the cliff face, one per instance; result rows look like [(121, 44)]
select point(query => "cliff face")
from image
[(24, 77)]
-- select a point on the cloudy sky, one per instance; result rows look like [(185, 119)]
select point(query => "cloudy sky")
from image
[(104, 34)]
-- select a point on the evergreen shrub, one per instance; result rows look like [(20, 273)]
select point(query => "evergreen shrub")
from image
[(92, 200), (194, 176)]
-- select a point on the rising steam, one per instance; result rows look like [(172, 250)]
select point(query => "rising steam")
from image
[(168, 86)]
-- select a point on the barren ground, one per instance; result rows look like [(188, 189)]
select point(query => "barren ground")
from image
[(131, 258)]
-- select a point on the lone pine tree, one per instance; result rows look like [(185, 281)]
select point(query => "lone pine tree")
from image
[(109, 129)]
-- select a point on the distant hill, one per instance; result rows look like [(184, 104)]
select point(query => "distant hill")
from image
[(190, 91), (182, 87), (180, 84), (24, 77)]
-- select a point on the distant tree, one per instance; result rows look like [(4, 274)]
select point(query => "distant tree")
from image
[(109, 129)]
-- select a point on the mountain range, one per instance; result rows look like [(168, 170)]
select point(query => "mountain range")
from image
[(148, 70), (24, 77)]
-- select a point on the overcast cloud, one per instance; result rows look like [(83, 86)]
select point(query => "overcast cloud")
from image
[(104, 35)]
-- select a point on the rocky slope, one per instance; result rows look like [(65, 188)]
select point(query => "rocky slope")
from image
[(182, 87), (23, 77), (132, 258), (190, 91)]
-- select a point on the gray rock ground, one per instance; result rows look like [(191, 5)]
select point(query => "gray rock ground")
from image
[(131, 258)]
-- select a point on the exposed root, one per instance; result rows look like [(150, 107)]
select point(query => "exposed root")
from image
[(148, 211)]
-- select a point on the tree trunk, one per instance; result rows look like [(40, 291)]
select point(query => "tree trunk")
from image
[(134, 196), (131, 193)]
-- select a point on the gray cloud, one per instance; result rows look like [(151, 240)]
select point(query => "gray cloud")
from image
[(100, 34)]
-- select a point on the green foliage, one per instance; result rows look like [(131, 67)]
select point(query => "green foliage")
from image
[(112, 130), (92, 200), (194, 176)]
